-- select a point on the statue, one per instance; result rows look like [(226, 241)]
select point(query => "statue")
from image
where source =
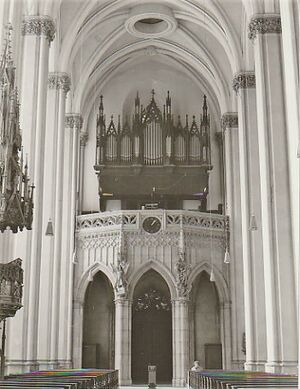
[(120, 270), (182, 269)]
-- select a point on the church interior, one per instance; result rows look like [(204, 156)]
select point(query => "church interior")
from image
[(149, 187)]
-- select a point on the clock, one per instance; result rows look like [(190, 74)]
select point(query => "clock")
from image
[(151, 224)]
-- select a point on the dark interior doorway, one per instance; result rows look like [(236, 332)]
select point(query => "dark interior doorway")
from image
[(98, 324), (152, 329)]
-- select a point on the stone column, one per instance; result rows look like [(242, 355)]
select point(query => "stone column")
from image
[(180, 325), (276, 223), (83, 141), (123, 339), (73, 124), (219, 138), (232, 190), (60, 84), (244, 86), (38, 32)]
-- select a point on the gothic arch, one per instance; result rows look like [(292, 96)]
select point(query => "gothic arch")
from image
[(91, 271), (160, 269), (221, 283)]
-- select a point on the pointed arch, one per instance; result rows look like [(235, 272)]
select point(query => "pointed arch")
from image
[(160, 269), (221, 283), (91, 271)]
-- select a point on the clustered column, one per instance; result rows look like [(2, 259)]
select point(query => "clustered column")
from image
[(229, 123), (38, 32), (123, 339), (73, 123), (244, 85), (180, 325), (276, 220), (83, 142)]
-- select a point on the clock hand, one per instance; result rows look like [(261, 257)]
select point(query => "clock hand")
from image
[(154, 221)]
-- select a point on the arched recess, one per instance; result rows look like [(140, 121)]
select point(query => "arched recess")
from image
[(80, 289), (98, 324), (205, 331), (218, 317), (151, 329)]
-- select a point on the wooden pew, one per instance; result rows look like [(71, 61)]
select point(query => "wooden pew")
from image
[(64, 379), (220, 379)]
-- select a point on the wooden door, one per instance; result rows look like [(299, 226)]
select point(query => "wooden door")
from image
[(152, 345)]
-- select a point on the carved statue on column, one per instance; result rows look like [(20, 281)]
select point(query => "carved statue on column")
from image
[(121, 270), (182, 273)]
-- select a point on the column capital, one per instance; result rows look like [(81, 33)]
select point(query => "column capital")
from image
[(73, 121), (59, 80), (180, 300), (83, 138), (264, 24), (229, 120), (39, 25), (243, 80), (122, 300)]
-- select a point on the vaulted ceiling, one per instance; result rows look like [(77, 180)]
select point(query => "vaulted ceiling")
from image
[(204, 41)]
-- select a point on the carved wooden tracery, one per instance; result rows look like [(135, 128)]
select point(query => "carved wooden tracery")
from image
[(153, 137)]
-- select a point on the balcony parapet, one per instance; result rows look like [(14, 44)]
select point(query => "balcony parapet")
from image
[(133, 220)]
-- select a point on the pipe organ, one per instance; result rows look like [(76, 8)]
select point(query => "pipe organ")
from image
[(153, 137), (152, 157)]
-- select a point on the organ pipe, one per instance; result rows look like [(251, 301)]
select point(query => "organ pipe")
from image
[(152, 138)]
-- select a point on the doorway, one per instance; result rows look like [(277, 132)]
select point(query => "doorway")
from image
[(98, 324), (151, 329)]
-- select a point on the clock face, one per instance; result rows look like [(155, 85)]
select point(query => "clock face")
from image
[(151, 224)]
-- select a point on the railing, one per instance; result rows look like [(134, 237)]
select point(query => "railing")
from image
[(132, 220)]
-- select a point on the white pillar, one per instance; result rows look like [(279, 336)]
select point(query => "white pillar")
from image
[(292, 97), (73, 124), (180, 324), (244, 85), (123, 340), (60, 83), (229, 122), (38, 32), (279, 264), (83, 141)]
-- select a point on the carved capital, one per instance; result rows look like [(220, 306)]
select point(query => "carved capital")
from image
[(264, 24), (229, 120), (83, 138), (58, 80), (39, 25), (73, 121), (243, 80)]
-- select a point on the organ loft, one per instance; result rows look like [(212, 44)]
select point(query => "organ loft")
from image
[(152, 158)]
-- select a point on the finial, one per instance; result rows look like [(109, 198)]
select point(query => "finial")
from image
[(153, 93)]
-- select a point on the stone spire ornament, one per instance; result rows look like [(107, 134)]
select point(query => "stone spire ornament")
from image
[(16, 195), (182, 274)]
